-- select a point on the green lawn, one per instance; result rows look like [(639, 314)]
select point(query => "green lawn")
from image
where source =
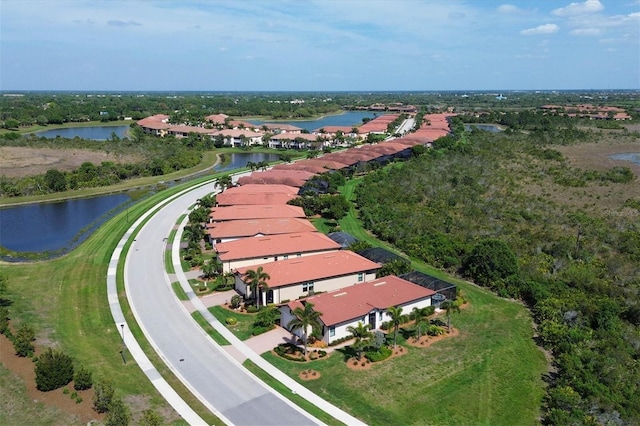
[(489, 374), (242, 330)]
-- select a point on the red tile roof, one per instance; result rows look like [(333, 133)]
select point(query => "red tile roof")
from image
[(217, 118), (295, 178), (253, 198), (315, 267), (272, 245), (356, 301), (302, 165), (254, 188), (268, 211), (251, 228)]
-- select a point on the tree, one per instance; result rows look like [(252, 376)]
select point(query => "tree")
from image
[(4, 285), (449, 306), (212, 268), (103, 396), (193, 234), (257, 280), (4, 320), (491, 260), (23, 341), (118, 414), (397, 318), (224, 182), (394, 267), (251, 165), (362, 333), (263, 165), (54, 369), (55, 180), (305, 318), (419, 314)]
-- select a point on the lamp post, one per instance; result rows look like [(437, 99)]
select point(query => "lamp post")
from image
[(124, 346)]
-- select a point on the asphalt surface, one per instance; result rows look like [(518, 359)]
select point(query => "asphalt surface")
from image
[(226, 388)]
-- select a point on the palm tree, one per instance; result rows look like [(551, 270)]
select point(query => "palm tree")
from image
[(448, 306), (419, 315), (397, 318), (224, 182), (257, 281), (262, 165), (362, 333), (253, 166), (193, 234), (303, 319)]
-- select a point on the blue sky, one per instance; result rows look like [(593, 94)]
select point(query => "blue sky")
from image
[(322, 45)]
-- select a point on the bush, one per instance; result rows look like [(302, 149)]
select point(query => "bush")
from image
[(118, 414), (289, 351), (235, 301), (256, 330), (231, 321), (435, 330), (103, 396), (54, 369), (4, 320), (23, 341), (82, 379), (252, 309), (379, 355)]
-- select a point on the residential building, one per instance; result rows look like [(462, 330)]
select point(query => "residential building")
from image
[(221, 232)]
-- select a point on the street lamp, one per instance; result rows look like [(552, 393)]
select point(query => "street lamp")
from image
[(124, 346)]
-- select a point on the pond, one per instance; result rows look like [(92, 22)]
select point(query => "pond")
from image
[(98, 133), (348, 118), (61, 226), (493, 128)]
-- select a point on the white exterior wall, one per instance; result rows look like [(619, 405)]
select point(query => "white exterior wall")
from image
[(230, 265), (293, 292)]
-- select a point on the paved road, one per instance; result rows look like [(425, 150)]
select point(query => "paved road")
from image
[(228, 390)]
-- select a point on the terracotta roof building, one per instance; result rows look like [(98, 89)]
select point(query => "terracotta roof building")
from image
[(243, 212), (259, 250), (301, 276), (221, 232), (366, 303)]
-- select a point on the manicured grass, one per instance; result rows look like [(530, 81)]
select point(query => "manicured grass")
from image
[(177, 289), (489, 374), (323, 225), (286, 392), (242, 330), (217, 337)]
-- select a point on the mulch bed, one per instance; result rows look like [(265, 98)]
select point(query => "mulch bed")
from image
[(309, 375), (365, 364), (426, 341), (24, 368)]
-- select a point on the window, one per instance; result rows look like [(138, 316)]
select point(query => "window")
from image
[(298, 254), (380, 316), (332, 331), (360, 277), (308, 286), (285, 257)]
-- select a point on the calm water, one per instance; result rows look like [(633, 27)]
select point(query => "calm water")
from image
[(55, 226), (241, 159), (349, 118), (634, 157), (487, 127), (61, 226), (99, 133)]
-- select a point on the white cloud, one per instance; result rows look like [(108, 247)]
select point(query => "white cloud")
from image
[(586, 32), (541, 29), (589, 6), (510, 9)]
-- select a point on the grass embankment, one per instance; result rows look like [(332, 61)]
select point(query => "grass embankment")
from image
[(65, 300)]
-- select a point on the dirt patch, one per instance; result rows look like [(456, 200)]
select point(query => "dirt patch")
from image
[(309, 375), (24, 368), (596, 156), (426, 341), (365, 364), (23, 161)]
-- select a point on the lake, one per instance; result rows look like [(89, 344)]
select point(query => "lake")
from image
[(98, 133), (348, 118), (61, 226)]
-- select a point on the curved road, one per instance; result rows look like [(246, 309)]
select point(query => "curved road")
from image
[(221, 383)]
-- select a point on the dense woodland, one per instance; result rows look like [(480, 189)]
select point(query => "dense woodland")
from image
[(478, 205)]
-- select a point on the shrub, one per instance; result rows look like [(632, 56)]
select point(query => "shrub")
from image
[(252, 309), (435, 330), (78, 400), (82, 379), (235, 301), (54, 369), (379, 355), (74, 395), (23, 341), (289, 351), (4, 320), (340, 340), (103, 396), (118, 414)]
